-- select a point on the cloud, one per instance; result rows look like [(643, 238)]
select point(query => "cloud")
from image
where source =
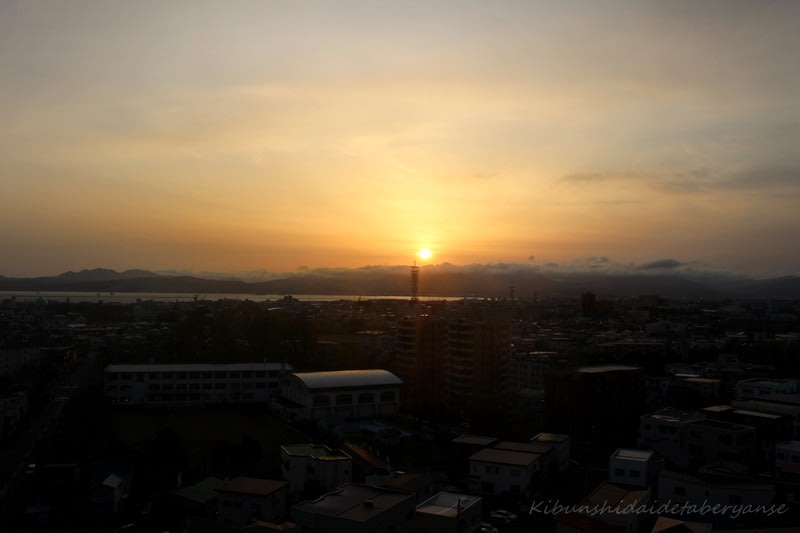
[(696, 181), (661, 264)]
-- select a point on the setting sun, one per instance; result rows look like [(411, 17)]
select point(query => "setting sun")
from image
[(424, 254)]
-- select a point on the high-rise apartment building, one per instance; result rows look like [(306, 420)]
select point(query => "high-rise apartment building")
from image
[(453, 363)]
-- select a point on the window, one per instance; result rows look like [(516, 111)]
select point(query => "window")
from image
[(344, 399), (635, 473), (322, 401), (366, 397), (387, 396)]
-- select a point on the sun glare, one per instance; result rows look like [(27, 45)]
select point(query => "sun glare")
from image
[(424, 254)]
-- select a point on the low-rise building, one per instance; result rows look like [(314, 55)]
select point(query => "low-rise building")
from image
[(787, 460), (763, 387), (504, 472), (560, 444), (449, 512), (193, 383), (711, 441), (314, 467), (679, 488), (633, 467), (609, 508), (354, 508), (342, 394), (244, 500)]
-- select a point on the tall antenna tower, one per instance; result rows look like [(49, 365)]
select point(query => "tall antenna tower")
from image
[(414, 282)]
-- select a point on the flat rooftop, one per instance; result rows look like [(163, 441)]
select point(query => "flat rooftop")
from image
[(632, 454), (317, 451), (357, 503), (475, 440), (505, 457), (253, 486), (552, 438), (196, 367), (606, 368), (448, 503)]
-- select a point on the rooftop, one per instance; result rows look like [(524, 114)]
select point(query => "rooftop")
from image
[(347, 379), (475, 440), (448, 503), (527, 447), (505, 457), (357, 503), (252, 486), (606, 368), (196, 367), (632, 455), (615, 495), (317, 451), (550, 438)]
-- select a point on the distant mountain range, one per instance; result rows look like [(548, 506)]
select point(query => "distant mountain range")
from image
[(493, 280)]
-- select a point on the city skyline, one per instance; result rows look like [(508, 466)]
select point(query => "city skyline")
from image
[(244, 136)]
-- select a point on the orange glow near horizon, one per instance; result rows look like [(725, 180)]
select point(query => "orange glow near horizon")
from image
[(335, 135)]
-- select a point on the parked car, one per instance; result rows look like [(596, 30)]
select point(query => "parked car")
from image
[(499, 518), (511, 516), (488, 528)]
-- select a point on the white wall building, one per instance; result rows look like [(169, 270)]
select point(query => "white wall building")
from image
[(343, 394), (503, 472), (304, 463), (449, 512), (632, 467), (193, 383)]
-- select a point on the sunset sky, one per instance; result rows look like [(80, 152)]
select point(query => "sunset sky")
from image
[(245, 135)]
